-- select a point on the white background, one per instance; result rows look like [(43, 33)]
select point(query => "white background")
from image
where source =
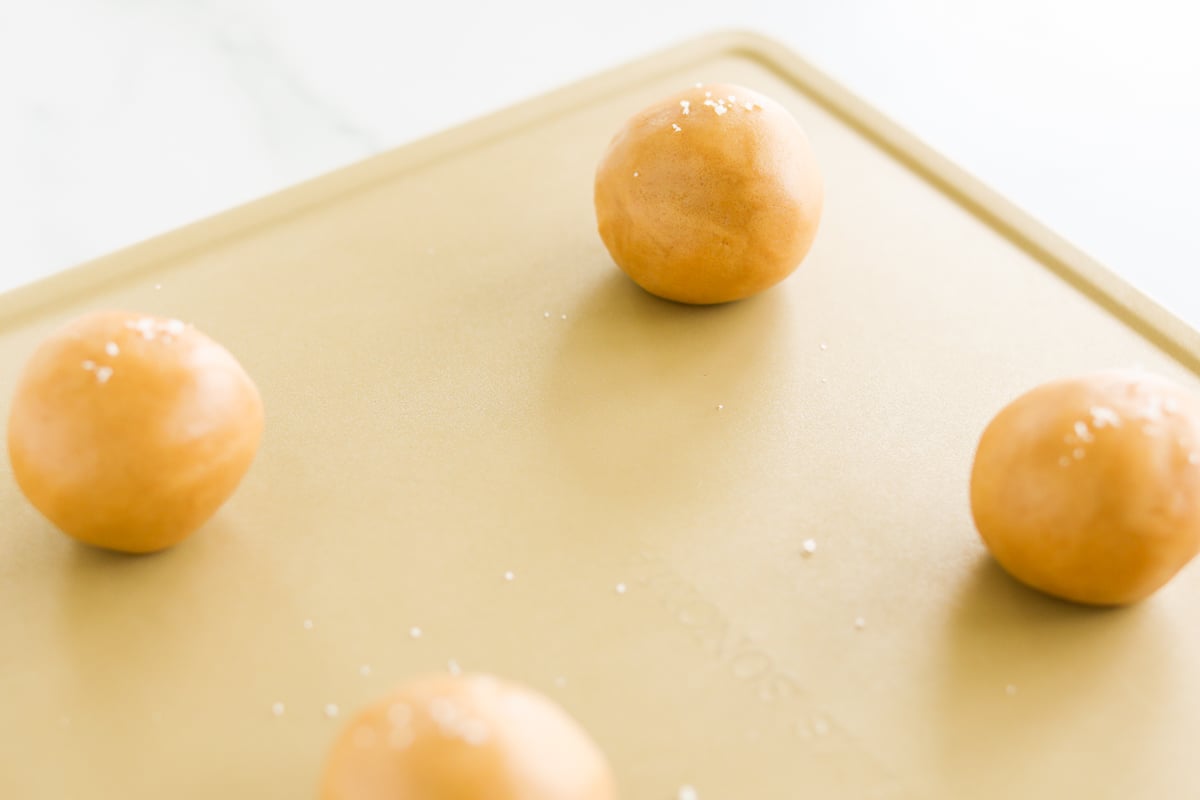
[(120, 119)]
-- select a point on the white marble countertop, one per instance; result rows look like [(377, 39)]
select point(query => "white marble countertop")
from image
[(122, 119)]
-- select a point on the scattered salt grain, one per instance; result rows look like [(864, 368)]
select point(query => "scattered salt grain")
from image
[(675, 127), (414, 632), (444, 712), (399, 714), (687, 793), (400, 738), (277, 709), (809, 546), (622, 588), (331, 710), (473, 731), (112, 349)]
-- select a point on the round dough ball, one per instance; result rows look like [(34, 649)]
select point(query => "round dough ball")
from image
[(710, 195), (463, 738), (1089, 488), (129, 431)]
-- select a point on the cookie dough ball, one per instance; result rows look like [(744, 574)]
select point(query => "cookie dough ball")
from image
[(129, 431), (465, 738), (710, 195), (1089, 488)]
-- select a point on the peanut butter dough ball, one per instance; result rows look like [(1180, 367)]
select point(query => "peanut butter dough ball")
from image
[(465, 738), (1088, 488), (128, 431), (710, 195)]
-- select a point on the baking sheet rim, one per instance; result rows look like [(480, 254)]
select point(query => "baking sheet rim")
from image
[(1147, 318)]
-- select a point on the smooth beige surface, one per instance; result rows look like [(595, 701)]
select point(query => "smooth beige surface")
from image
[(430, 427)]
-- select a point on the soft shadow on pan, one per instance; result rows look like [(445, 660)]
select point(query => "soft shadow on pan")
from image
[(633, 392), (143, 635), (1022, 676)]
